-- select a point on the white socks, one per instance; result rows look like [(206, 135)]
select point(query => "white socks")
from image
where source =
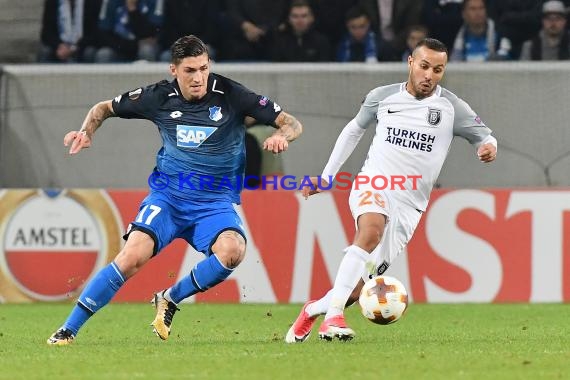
[(349, 273), (320, 306), (167, 296)]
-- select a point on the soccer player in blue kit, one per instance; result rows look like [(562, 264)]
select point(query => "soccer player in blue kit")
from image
[(200, 117)]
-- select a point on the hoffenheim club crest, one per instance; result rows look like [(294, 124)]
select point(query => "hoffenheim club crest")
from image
[(215, 113)]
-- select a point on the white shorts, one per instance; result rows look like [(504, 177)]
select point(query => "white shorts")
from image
[(401, 222)]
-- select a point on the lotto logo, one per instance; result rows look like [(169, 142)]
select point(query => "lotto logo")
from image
[(192, 136)]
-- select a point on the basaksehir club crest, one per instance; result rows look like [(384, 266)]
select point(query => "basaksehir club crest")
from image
[(434, 116), (52, 242)]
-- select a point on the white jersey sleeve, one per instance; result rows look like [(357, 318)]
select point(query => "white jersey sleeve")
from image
[(369, 108), (343, 148), (354, 130), (467, 123)]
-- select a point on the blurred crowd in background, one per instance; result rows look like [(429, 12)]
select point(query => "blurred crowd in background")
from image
[(110, 31)]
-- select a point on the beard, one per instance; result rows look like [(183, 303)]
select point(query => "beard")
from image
[(423, 91)]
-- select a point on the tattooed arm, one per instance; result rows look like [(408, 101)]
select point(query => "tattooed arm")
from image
[(93, 120), (288, 129)]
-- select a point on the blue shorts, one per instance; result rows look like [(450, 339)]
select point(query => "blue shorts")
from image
[(199, 223)]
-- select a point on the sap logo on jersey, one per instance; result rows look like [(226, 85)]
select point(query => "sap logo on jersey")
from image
[(188, 136)]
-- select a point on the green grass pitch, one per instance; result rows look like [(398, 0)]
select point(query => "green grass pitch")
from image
[(210, 341)]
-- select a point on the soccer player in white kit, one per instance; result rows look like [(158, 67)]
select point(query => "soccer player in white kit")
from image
[(415, 124)]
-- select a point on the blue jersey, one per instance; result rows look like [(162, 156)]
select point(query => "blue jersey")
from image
[(203, 154)]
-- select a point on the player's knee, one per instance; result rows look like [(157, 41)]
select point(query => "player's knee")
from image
[(128, 262), (136, 252), (370, 229), (368, 238), (230, 248)]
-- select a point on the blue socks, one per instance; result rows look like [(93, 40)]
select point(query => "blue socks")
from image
[(103, 287), (96, 294), (204, 275)]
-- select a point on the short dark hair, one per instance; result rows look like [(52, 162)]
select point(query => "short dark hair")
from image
[(466, 2), (356, 12), (432, 44), (187, 46), (300, 3)]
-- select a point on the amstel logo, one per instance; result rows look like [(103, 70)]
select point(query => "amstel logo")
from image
[(52, 242)]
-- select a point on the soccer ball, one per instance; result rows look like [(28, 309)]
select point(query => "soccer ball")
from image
[(383, 300)]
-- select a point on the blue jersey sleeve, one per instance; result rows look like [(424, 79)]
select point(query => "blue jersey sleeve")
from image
[(251, 104), (141, 103)]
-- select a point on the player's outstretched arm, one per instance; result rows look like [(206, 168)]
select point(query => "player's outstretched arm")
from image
[(288, 129), (93, 120)]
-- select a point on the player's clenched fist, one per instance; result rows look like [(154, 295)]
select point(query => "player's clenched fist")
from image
[(487, 152), (78, 141)]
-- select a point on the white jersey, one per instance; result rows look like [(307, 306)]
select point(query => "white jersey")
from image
[(413, 137)]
